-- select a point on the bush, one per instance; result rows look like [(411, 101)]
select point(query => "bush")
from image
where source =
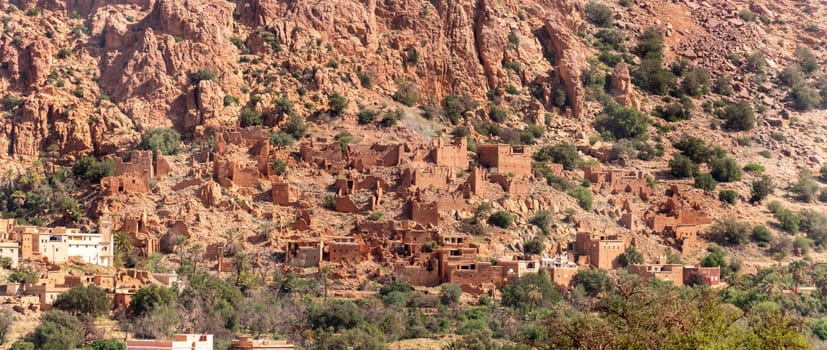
[(705, 182), (791, 76), (790, 221), (747, 15), (564, 153), (723, 86), (716, 257), (650, 44), (805, 98), (449, 293), (631, 256), (517, 293), (11, 102), (762, 188), (202, 74), (108, 344), (610, 39), (696, 82), (682, 167), (542, 219), (696, 149), (823, 172), (593, 282), (756, 61), (295, 126), (754, 167), (249, 117), (725, 169), (336, 315), (806, 59), (375, 216), (151, 297), (534, 246), (497, 115), (64, 52), (730, 231), (674, 112), (806, 188), (650, 76), (281, 139), (739, 117), (598, 14), (583, 196), (455, 107), (92, 170), (728, 196), (406, 94), (502, 219), (163, 140), (391, 118), (761, 235), (366, 116), (618, 122), (84, 301), (337, 104), (57, 330), (279, 167)]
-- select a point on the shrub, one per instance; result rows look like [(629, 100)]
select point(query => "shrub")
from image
[(716, 257), (806, 59), (761, 235), (279, 167), (610, 39), (618, 122), (249, 117), (564, 153), (230, 100), (81, 300), (455, 107), (598, 14), (11, 102), (650, 76), (64, 52), (411, 57), (747, 15), (674, 112), (723, 86), (650, 43), (823, 172), (406, 94), (33, 11), (705, 182), (391, 118), (583, 196), (754, 167), (725, 169), (696, 149), (375, 216), (295, 126), (365, 79), (534, 246), (558, 98), (730, 231), (790, 221), (696, 82), (728, 196), (542, 219), (497, 115), (805, 98), (449, 293), (756, 61), (366, 116), (57, 330), (806, 187), (337, 104), (202, 74), (517, 293), (593, 282), (631, 256), (108, 344), (739, 117), (92, 170), (500, 218), (791, 76), (681, 166), (281, 139), (164, 140)]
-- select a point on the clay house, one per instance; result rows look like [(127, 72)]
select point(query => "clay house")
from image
[(10, 250), (344, 250), (434, 178), (364, 157), (618, 181), (304, 253), (506, 159), (518, 266), (134, 175), (280, 191), (603, 251), (561, 268), (664, 272), (712, 275), (453, 153), (178, 342)]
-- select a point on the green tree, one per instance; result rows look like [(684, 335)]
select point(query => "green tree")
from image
[(22, 345), (806, 188), (535, 246), (761, 234), (715, 257), (281, 139), (337, 104), (123, 247), (530, 291), (730, 231), (584, 197), (762, 188), (92, 170), (449, 293), (108, 344), (6, 320), (58, 330), (295, 126), (593, 282), (542, 219), (739, 117), (728, 196), (631, 256), (500, 218), (161, 140), (151, 297), (84, 301), (249, 117), (705, 182), (598, 14), (725, 169), (681, 166), (563, 153)]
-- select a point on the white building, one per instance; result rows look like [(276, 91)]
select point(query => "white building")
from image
[(88, 247), (10, 250), (179, 342)]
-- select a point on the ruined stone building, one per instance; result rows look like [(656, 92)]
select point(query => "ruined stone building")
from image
[(618, 181), (453, 153), (514, 160), (134, 175)]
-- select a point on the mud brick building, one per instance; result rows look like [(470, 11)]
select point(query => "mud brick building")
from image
[(603, 251), (507, 159)]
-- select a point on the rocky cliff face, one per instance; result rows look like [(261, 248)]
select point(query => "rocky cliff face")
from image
[(140, 54)]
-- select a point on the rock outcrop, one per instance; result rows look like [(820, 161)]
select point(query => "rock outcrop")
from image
[(622, 89)]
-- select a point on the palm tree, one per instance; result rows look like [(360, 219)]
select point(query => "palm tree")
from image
[(535, 296), (232, 246), (123, 247), (771, 284), (798, 269), (242, 264)]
